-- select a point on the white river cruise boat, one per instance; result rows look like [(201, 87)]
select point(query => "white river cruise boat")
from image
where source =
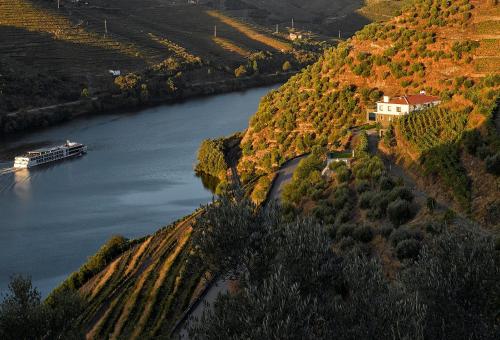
[(49, 155)]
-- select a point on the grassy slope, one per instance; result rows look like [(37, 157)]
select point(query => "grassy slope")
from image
[(320, 105)]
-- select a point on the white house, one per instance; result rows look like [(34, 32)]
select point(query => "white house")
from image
[(392, 108)]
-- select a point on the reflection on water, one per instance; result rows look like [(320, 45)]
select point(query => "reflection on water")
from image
[(22, 184), (136, 177), (209, 182)]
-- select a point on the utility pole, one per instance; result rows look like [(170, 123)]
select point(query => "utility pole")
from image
[(293, 24), (58, 4), (215, 31), (277, 28), (105, 27), (340, 37)]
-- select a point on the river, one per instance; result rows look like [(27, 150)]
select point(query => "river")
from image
[(137, 177)]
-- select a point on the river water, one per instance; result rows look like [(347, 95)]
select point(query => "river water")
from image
[(137, 177)]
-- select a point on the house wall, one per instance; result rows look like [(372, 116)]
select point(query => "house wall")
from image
[(392, 109), (386, 119)]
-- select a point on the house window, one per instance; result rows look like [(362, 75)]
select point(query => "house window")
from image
[(381, 107), (398, 109), (389, 108)]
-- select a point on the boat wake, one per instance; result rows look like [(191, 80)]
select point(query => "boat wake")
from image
[(8, 171)]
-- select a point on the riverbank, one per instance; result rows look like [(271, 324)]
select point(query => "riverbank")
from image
[(24, 121)]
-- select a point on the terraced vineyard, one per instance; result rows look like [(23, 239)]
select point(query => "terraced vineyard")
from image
[(433, 127), (144, 292), (76, 46)]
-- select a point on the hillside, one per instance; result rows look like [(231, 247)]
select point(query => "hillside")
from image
[(52, 55), (446, 49), (144, 291)]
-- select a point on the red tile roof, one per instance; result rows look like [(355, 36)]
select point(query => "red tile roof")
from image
[(415, 99)]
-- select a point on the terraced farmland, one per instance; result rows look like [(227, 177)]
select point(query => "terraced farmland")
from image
[(76, 45), (144, 292)]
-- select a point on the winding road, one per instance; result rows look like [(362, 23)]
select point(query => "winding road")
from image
[(283, 176)]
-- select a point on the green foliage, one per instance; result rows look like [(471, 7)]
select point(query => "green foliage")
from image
[(399, 211), (472, 140), (293, 285), (23, 315), (211, 158), (306, 181), (408, 249), (493, 164), (287, 66), (368, 168), (363, 234), (457, 276)]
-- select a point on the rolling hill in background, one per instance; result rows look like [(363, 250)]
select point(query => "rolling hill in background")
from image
[(72, 48)]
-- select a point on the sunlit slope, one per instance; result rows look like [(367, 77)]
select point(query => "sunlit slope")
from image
[(143, 292), (443, 48)]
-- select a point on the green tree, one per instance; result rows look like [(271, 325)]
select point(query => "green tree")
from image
[(23, 315), (287, 66)]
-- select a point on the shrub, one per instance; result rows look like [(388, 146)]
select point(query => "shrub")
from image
[(211, 158), (286, 66), (399, 211), (365, 199), (362, 186), (386, 230), (402, 234), (363, 234), (472, 141), (402, 193), (345, 230), (493, 164), (386, 183), (408, 249)]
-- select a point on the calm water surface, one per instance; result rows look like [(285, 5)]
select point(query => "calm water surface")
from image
[(137, 176)]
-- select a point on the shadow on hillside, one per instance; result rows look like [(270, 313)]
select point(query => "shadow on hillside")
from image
[(40, 51)]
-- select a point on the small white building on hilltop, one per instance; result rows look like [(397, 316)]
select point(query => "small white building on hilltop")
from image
[(392, 108)]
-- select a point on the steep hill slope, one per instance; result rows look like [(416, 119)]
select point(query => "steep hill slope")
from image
[(445, 48), (145, 291), (77, 44)]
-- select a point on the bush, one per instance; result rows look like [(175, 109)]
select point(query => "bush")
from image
[(386, 231), (365, 199), (399, 211), (362, 186), (286, 66), (386, 183), (345, 230), (402, 234), (408, 249), (363, 234), (401, 193), (472, 141), (493, 164), (211, 158)]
